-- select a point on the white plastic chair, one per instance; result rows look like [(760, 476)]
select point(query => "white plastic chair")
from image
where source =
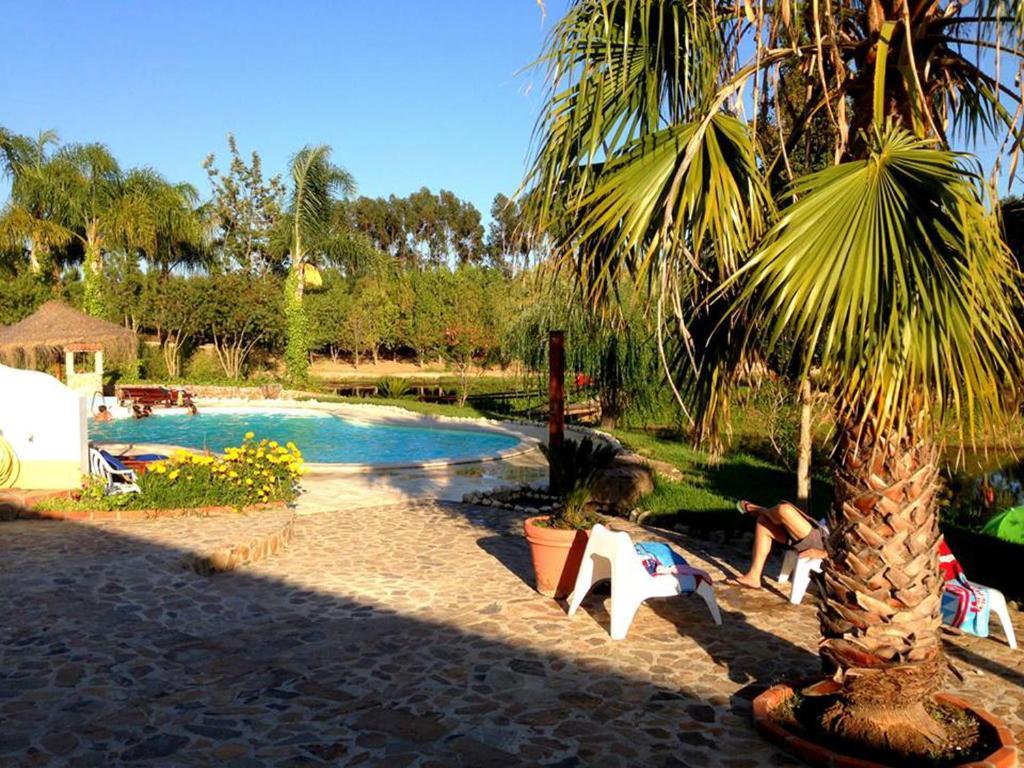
[(611, 555), (118, 477), (997, 605), (798, 569)]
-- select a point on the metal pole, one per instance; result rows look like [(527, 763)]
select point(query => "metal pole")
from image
[(556, 399)]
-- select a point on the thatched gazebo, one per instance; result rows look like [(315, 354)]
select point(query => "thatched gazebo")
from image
[(56, 330)]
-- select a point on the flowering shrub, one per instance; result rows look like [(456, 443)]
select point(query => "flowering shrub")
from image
[(251, 473)]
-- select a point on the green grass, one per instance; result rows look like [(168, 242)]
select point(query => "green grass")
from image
[(706, 495), (409, 404)]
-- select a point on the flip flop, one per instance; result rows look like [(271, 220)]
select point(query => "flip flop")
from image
[(743, 506)]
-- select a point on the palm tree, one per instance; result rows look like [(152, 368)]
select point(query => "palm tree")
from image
[(315, 181), (30, 217), (98, 212), (887, 267), (171, 227)]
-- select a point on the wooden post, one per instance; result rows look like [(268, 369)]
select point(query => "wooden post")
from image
[(556, 399), (804, 447)]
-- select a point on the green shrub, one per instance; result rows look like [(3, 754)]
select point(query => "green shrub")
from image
[(151, 363), (393, 387), (577, 463), (204, 367)]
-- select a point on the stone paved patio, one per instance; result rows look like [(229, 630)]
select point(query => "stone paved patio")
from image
[(403, 635)]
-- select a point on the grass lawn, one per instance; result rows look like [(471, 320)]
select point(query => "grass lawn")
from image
[(706, 495), (410, 404)]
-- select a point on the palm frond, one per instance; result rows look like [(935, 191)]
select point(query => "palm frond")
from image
[(676, 195), (894, 273), (616, 69), (315, 182)]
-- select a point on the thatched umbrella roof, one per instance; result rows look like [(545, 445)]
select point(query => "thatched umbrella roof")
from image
[(55, 325)]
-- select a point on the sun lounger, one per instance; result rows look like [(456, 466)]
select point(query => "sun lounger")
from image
[(119, 478)]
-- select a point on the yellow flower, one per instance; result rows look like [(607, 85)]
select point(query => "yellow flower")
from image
[(174, 474), (232, 474), (250, 435), (272, 443), (159, 468), (248, 481)]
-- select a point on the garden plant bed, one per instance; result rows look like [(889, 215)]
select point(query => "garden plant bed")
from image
[(787, 718)]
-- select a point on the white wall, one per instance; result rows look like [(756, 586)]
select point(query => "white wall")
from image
[(42, 419)]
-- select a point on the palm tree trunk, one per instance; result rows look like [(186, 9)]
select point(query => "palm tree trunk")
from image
[(297, 350), (881, 613), (34, 264), (92, 272)]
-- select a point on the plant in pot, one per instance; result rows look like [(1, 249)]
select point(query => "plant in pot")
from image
[(557, 540)]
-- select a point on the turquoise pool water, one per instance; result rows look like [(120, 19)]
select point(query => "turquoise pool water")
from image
[(321, 438)]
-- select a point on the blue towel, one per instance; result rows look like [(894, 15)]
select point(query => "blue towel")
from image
[(663, 553)]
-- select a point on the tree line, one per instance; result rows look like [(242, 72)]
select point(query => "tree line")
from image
[(353, 274)]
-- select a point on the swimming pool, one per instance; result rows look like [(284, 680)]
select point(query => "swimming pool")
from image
[(322, 437)]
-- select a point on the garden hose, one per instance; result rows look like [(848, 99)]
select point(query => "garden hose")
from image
[(10, 467)]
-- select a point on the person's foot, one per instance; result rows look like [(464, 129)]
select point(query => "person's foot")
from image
[(744, 581)]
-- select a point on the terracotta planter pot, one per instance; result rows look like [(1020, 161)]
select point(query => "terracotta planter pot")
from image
[(814, 753), (556, 554)]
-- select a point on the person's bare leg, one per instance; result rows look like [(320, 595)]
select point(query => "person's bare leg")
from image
[(765, 532), (792, 520)]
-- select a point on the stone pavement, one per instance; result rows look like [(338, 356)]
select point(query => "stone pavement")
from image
[(402, 636)]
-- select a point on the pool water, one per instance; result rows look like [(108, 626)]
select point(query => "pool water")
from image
[(321, 437)]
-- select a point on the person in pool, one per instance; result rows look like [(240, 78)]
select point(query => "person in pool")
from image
[(785, 523), (103, 414)]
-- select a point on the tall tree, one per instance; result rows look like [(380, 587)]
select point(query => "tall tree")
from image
[(889, 267), (168, 227), (30, 220), (244, 210), (100, 212), (315, 181), (508, 241)]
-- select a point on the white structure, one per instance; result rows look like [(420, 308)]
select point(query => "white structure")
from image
[(611, 555), (799, 569), (44, 423), (85, 382)]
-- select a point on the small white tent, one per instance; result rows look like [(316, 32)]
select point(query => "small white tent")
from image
[(43, 424)]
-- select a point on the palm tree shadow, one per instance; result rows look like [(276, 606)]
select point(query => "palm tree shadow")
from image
[(969, 656), (267, 669)]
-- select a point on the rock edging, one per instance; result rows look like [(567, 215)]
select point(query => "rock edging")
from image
[(232, 556)]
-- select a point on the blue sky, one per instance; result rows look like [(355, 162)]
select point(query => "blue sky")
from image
[(407, 92)]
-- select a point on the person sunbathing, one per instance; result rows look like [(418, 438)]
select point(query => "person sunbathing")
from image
[(785, 523)]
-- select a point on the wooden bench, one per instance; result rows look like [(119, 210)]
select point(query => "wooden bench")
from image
[(153, 395)]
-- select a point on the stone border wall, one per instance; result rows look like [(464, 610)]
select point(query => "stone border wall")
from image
[(232, 556)]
